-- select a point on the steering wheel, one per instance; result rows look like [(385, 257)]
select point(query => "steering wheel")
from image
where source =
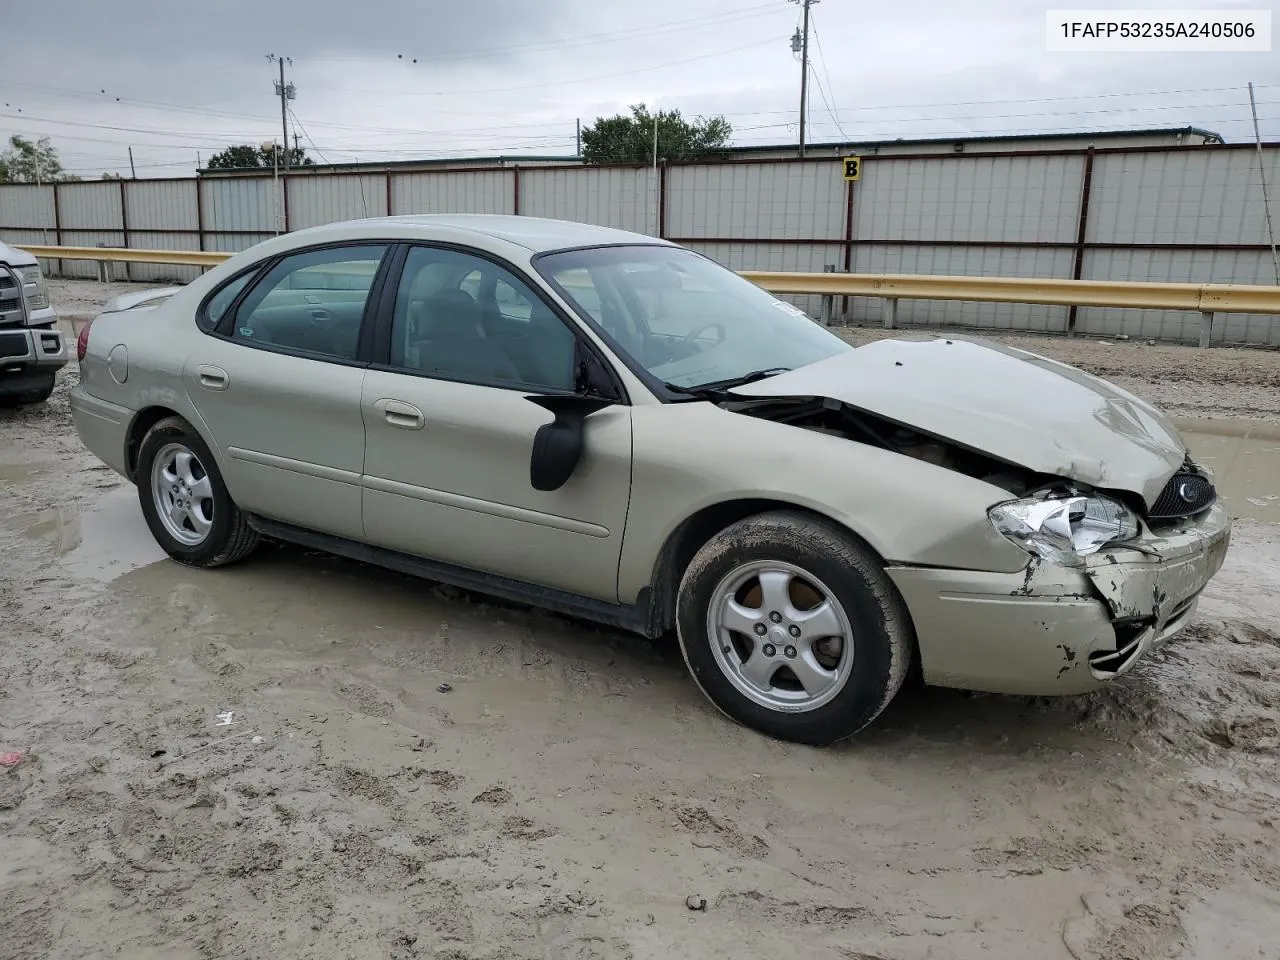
[(688, 338)]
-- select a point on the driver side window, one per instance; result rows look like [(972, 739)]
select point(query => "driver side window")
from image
[(460, 317)]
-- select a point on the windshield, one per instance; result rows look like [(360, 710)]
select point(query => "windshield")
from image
[(685, 319)]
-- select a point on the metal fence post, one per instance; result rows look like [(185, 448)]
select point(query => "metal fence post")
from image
[(827, 299), (1206, 327), (889, 312)]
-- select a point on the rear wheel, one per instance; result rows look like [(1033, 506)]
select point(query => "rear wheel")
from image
[(790, 626), (184, 500)]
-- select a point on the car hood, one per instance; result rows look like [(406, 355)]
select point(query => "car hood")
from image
[(1013, 405), (15, 257)]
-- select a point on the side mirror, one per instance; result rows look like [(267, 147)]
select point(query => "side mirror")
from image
[(557, 446)]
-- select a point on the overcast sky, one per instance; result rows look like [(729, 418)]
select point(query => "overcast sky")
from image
[(402, 79)]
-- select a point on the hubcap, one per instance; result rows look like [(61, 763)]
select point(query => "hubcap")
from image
[(183, 494), (780, 636)]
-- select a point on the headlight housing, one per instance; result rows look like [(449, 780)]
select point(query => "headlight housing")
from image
[(37, 299), (1065, 530)]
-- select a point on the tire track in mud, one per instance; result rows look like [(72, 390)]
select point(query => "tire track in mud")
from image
[(377, 816)]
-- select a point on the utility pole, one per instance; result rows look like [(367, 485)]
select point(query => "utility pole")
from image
[(286, 92), (800, 45), (1262, 177), (657, 196), (296, 148), (577, 150), (132, 171)]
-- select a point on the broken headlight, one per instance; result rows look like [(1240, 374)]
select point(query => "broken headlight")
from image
[(1067, 529)]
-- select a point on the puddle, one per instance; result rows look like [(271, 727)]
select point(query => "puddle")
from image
[(100, 544), (18, 472), (1245, 459)]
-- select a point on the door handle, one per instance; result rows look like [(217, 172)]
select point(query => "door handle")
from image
[(400, 414), (212, 378)]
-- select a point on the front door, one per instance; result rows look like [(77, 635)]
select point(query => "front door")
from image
[(280, 393), (450, 433)]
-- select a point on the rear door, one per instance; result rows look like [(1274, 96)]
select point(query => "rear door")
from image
[(278, 385), (450, 431)]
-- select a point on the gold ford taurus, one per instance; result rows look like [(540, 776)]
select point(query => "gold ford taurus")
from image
[(617, 428)]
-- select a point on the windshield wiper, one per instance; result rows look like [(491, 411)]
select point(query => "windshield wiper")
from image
[(719, 389)]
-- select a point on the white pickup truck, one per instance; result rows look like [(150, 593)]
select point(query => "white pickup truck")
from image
[(31, 346)]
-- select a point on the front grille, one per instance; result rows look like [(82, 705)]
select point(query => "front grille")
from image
[(1187, 493), (10, 298)]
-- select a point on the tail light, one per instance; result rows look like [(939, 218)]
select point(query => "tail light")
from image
[(82, 342)]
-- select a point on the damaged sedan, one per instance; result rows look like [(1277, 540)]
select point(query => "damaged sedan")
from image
[(617, 428)]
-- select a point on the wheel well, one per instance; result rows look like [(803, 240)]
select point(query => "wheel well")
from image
[(690, 536), (142, 422)]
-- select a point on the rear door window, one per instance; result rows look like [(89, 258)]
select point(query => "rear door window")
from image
[(311, 302)]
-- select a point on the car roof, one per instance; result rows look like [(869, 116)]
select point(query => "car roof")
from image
[(537, 234)]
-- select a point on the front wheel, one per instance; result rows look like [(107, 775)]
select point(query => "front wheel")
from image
[(184, 500), (39, 395), (790, 626)]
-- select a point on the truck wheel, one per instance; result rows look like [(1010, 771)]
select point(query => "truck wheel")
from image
[(39, 395), (791, 627), (184, 500)]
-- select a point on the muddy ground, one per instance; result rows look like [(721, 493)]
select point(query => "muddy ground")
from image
[(260, 762)]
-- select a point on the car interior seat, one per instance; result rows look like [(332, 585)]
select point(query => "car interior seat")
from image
[(450, 340)]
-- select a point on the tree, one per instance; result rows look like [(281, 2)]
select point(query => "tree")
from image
[(31, 161), (623, 139), (246, 157)]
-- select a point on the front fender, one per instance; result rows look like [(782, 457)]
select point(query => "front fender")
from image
[(690, 456)]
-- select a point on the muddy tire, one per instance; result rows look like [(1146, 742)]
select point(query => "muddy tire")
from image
[(184, 500), (790, 626)]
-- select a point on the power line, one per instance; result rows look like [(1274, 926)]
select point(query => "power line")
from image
[(822, 58), (822, 93), (503, 126), (974, 134), (479, 132), (299, 125)]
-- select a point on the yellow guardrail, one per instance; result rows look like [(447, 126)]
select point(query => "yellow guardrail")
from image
[(185, 258), (1207, 298)]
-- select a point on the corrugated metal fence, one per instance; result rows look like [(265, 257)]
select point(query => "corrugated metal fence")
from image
[(1191, 214)]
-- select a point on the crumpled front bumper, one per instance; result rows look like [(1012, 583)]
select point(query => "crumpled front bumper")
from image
[(1058, 630)]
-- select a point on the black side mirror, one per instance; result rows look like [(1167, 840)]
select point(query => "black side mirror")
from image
[(557, 446)]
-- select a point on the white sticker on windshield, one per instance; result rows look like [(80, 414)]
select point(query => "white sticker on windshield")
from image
[(790, 308)]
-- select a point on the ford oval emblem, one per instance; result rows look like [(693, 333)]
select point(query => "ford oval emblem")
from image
[(1187, 491)]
